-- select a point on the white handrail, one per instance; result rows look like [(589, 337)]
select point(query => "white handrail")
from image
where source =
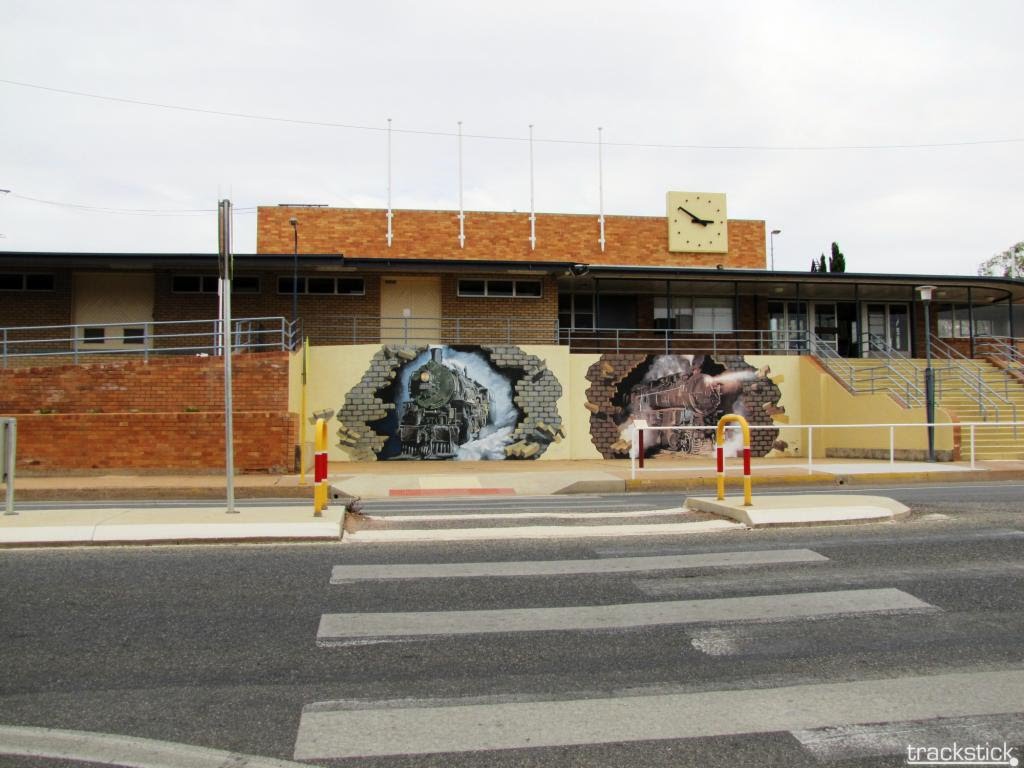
[(636, 461)]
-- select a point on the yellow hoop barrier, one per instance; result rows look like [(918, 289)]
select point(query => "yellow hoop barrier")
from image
[(720, 451), (320, 468)]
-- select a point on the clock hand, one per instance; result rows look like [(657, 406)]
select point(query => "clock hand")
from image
[(694, 218)]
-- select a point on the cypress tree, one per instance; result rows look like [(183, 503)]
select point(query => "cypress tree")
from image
[(838, 262), (822, 266)]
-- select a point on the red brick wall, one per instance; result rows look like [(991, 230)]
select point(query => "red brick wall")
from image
[(259, 383), (169, 441), (164, 414), (630, 240)]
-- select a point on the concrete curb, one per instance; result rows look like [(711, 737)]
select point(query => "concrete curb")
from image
[(803, 510)]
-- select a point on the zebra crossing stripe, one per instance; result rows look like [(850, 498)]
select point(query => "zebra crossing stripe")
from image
[(329, 731), (342, 574), (339, 628)]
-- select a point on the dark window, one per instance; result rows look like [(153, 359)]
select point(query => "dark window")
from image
[(351, 286), (499, 288), (245, 284), (93, 335), (14, 281), (186, 284), (319, 285), (39, 282), (616, 311), (284, 285), (134, 335), (528, 288), (210, 283), (472, 287)]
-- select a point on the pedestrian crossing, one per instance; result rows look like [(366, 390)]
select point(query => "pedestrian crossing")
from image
[(811, 711), (524, 519)]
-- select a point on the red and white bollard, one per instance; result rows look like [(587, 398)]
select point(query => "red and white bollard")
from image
[(320, 490)]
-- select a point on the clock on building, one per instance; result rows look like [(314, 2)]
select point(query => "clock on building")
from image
[(697, 222)]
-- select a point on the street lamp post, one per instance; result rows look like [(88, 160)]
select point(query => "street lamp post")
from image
[(926, 292), (771, 240), (295, 271)]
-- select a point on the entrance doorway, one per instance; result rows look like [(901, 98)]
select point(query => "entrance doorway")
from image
[(410, 310), (887, 328)]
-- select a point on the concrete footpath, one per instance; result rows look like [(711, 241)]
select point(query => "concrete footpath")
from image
[(122, 520)]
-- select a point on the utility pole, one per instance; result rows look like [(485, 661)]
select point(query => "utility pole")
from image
[(226, 267)]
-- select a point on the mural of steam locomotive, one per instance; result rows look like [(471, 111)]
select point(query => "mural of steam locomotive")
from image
[(685, 399), (445, 409)]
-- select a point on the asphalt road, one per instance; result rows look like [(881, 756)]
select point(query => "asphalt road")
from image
[(722, 655)]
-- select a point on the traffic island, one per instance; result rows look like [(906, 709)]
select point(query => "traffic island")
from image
[(802, 509)]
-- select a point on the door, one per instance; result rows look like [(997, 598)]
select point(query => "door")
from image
[(113, 310), (826, 323), (410, 310), (887, 327)]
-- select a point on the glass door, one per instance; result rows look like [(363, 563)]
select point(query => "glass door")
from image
[(888, 327), (826, 323)]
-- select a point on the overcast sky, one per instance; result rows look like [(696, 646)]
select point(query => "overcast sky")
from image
[(789, 82)]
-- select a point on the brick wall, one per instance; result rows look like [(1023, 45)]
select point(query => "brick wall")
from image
[(630, 240), (264, 441), (35, 308), (164, 414), (533, 320)]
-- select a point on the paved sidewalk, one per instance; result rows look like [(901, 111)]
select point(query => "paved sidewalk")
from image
[(127, 522)]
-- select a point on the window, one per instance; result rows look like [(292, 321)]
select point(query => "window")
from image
[(954, 322), (712, 314), (576, 310), (93, 335), (16, 281), (323, 286), (134, 335), (687, 313), (520, 289), (194, 283), (245, 284)]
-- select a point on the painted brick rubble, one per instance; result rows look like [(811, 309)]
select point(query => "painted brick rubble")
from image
[(537, 392)]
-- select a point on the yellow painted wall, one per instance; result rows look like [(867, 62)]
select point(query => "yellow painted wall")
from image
[(809, 396)]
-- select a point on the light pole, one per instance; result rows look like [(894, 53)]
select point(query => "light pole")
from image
[(295, 271), (925, 291), (771, 240)]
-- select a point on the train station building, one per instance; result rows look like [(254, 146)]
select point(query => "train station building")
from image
[(484, 335)]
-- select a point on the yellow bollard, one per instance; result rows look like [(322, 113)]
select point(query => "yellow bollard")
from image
[(720, 456), (320, 468)]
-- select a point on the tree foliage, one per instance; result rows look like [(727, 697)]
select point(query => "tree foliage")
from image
[(1009, 263), (837, 262)]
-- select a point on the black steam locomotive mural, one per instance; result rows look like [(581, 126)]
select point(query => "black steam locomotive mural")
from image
[(677, 391), (445, 409), (441, 402)]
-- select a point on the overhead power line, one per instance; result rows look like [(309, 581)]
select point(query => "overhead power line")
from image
[(129, 211), (524, 139)]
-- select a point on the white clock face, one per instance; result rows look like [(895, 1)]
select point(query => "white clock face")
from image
[(697, 222)]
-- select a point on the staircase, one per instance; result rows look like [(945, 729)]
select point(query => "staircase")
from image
[(972, 390)]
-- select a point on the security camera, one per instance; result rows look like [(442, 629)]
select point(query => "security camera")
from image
[(579, 270)]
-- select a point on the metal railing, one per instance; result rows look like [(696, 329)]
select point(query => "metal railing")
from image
[(1002, 349), (860, 379), (636, 441), (674, 341), (145, 339), (951, 365), (8, 456)]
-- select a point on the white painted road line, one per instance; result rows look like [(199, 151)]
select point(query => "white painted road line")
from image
[(108, 749), (534, 515), (328, 734), (343, 574), (335, 627), (538, 532)]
